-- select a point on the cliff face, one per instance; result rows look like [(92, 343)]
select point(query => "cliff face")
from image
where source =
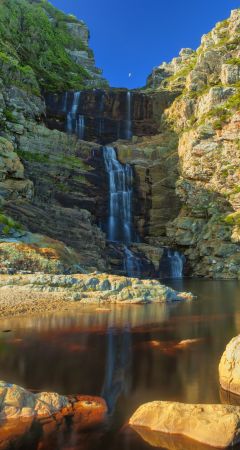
[(205, 118), (183, 146), (108, 114), (41, 46), (48, 183)]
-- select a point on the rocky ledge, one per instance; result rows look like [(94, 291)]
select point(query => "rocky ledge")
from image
[(212, 425), (22, 411), (17, 402), (69, 290)]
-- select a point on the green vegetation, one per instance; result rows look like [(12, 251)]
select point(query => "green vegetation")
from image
[(184, 71), (33, 47), (33, 157), (234, 61), (233, 219), (8, 224)]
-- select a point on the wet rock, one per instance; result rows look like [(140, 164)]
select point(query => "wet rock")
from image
[(213, 425)]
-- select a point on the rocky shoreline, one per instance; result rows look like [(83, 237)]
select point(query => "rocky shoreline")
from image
[(41, 293)]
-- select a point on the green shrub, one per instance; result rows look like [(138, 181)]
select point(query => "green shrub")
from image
[(41, 45), (233, 219)]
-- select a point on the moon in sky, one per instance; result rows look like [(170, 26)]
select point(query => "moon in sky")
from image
[(130, 74)]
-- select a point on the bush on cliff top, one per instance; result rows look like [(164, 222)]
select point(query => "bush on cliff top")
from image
[(31, 39)]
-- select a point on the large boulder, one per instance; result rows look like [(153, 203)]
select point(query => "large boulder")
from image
[(229, 367), (213, 425), (18, 403)]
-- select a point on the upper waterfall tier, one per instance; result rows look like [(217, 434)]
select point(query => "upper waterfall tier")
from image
[(107, 115)]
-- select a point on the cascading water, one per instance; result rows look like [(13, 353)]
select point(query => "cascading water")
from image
[(120, 227), (128, 129), (177, 263), (171, 264), (120, 198), (132, 264), (81, 127), (75, 121), (65, 99)]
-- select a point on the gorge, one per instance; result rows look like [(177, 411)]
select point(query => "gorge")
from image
[(115, 204)]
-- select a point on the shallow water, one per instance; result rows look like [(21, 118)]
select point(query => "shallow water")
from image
[(129, 355)]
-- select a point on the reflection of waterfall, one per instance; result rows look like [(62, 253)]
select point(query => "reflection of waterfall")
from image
[(128, 129), (75, 121), (118, 365), (120, 198)]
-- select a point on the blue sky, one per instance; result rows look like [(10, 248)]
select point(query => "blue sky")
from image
[(133, 36)]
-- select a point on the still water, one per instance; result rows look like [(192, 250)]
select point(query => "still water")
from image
[(129, 355)]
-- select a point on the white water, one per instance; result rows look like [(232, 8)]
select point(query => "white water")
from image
[(75, 102), (176, 263), (120, 227), (75, 121), (128, 130), (65, 102), (132, 265), (81, 127), (120, 198)]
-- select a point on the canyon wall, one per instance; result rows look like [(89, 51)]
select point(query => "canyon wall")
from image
[(107, 114), (180, 134), (206, 117)]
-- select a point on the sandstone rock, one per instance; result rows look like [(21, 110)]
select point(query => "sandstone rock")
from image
[(229, 368), (18, 403), (213, 425), (230, 74)]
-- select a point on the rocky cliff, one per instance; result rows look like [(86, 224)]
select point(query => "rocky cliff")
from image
[(183, 147), (188, 176), (206, 118), (48, 184)]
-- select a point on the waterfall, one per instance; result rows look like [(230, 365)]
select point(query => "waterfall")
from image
[(128, 129), (132, 264), (101, 127), (65, 99), (75, 121), (81, 127), (177, 263), (120, 198), (75, 103), (120, 226)]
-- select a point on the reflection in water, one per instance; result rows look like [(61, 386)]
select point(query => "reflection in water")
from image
[(118, 363), (130, 355)]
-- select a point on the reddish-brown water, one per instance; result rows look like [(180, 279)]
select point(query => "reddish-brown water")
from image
[(129, 355)]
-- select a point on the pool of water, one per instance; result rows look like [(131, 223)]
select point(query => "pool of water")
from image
[(129, 355)]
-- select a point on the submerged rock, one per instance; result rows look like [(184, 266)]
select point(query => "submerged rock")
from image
[(213, 425), (229, 367)]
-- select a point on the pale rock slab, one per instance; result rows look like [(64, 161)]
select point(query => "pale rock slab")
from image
[(213, 425)]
